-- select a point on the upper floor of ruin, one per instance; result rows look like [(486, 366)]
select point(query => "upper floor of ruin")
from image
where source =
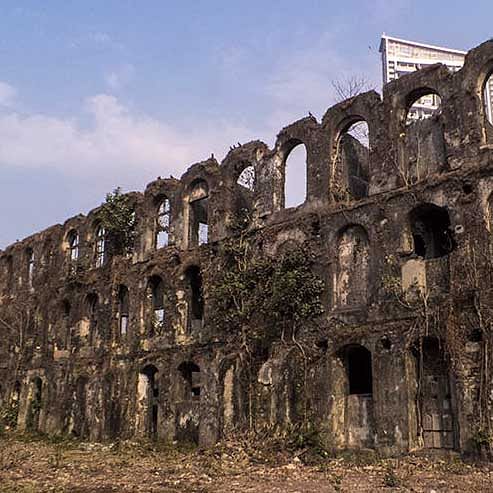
[(342, 172)]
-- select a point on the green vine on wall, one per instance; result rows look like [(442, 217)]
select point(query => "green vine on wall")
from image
[(261, 297)]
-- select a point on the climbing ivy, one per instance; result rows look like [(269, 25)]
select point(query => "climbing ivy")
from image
[(261, 297), (118, 219)]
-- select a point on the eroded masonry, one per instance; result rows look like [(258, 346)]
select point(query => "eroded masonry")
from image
[(364, 313)]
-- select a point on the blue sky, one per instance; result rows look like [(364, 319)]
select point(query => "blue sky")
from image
[(99, 94)]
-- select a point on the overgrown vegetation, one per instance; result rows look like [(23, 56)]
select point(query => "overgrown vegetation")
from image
[(257, 296), (260, 300), (117, 216)]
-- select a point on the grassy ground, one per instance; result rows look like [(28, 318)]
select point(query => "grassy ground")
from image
[(29, 464)]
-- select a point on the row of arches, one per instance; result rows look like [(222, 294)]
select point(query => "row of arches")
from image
[(174, 399), (157, 309), (431, 238)]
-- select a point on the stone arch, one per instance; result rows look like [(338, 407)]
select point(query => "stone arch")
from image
[(423, 145), (294, 163), (198, 213), (155, 305), (351, 276), (72, 244), (148, 401), (162, 221), (353, 173), (351, 154), (90, 323), (100, 244)]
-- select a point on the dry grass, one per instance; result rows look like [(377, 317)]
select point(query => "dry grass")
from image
[(42, 465)]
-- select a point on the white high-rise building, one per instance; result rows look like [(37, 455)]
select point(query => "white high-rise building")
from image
[(399, 57)]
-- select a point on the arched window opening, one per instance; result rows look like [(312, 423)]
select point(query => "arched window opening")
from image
[(353, 154), (247, 178), (163, 223), (149, 393), (156, 288), (295, 171), (100, 246), (73, 245), (353, 264), (92, 306), (191, 381), (430, 228), (123, 310), (488, 98), (35, 404), (423, 106), (359, 371), (199, 214), (30, 266), (423, 145), (196, 298)]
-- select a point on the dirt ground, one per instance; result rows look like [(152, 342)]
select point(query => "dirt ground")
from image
[(43, 465)]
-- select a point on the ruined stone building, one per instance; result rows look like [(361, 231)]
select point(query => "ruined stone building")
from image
[(100, 344)]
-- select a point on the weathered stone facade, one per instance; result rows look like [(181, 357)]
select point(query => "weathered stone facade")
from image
[(101, 345)]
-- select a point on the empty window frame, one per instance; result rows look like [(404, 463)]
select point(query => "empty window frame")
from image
[(151, 399), (423, 104), (30, 266), (123, 310), (199, 214), (100, 246), (359, 370), (295, 172), (163, 223), (247, 178), (191, 381), (430, 228), (156, 292), (352, 153), (196, 298), (73, 246)]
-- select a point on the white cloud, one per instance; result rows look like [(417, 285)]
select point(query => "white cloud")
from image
[(7, 94), (117, 142)]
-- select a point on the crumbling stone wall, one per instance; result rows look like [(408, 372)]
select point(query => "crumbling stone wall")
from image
[(75, 359)]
